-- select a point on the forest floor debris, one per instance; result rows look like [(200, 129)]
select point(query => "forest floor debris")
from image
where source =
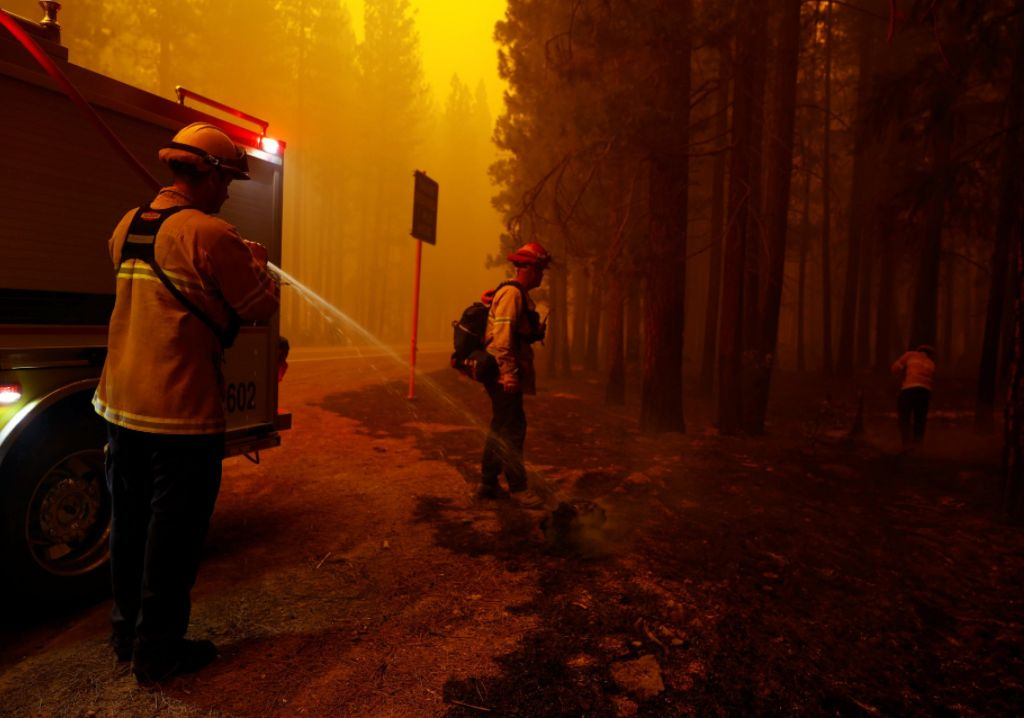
[(354, 574)]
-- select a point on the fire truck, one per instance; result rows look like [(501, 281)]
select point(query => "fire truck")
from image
[(63, 188)]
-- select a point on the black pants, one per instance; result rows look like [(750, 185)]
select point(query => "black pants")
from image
[(504, 446), (163, 488), (913, 413)]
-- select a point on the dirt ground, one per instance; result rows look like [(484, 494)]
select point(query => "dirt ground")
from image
[(800, 573)]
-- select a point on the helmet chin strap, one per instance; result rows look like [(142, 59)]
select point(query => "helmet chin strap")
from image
[(206, 156)]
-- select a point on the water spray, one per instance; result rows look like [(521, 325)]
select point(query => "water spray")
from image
[(570, 527), (276, 272)]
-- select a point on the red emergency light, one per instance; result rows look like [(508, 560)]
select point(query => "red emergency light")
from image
[(9, 393), (270, 145), (267, 144)]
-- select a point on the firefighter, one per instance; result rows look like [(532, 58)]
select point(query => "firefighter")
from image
[(916, 369), (185, 278), (513, 325)]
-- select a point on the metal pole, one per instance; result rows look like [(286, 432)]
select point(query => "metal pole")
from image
[(415, 321)]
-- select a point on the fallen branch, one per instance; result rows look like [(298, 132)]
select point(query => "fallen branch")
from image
[(469, 705)]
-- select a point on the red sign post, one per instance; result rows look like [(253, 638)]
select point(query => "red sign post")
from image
[(424, 228)]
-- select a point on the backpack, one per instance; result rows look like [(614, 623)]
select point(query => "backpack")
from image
[(141, 244), (471, 356)]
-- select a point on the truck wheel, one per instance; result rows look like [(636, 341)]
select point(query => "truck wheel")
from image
[(57, 510)]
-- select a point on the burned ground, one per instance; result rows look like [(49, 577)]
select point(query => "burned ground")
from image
[(805, 572)]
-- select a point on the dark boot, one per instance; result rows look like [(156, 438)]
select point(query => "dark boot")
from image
[(123, 646), (157, 663), (490, 492)]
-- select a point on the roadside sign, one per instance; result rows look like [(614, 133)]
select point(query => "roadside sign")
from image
[(424, 208), (424, 228)]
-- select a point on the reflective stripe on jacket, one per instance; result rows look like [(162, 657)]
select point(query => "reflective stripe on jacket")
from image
[(507, 324), (163, 372)]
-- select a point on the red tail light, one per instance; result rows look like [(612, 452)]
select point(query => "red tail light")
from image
[(9, 393)]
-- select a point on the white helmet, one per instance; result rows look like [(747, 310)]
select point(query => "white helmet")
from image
[(207, 147)]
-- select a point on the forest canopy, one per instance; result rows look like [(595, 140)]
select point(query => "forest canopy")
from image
[(731, 188), (738, 187)]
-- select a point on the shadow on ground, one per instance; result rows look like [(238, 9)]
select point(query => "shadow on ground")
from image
[(803, 573)]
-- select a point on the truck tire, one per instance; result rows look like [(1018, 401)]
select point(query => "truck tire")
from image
[(56, 508)]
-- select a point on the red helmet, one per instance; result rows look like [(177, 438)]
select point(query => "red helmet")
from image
[(531, 254)]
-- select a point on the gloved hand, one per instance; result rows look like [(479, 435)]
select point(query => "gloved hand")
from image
[(259, 252), (510, 382)]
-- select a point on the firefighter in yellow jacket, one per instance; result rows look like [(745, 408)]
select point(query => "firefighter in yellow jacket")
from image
[(185, 279), (513, 326)]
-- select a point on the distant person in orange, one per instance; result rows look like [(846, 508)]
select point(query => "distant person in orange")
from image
[(917, 369)]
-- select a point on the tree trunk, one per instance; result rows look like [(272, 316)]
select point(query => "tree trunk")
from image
[(826, 204), (869, 245), (615, 390), (731, 339), (885, 306), (557, 333), (661, 402), (752, 369), (580, 302), (863, 166), (591, 360), (801, 292), (948, 279), (661, 399), (757, 240), (560, 315), (374, 316), (923, 329), (1013, 447), (384, 292), (634, 321), (707, 369), (560, 364), (780, 172), (1007, 219), (966, 307), (615, 298)]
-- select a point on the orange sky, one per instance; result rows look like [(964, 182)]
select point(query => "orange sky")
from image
[(456, 36)]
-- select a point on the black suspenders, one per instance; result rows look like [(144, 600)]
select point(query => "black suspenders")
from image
[(140, 244)]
